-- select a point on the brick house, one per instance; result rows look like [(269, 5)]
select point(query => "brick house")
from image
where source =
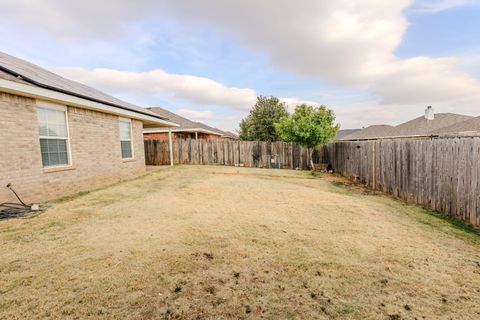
[(60, 137), (187, 129)]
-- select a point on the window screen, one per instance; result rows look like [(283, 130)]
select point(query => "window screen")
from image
[(126, 139), (53, 137)]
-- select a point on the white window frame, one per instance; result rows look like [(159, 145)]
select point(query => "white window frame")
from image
[(129, 121), (57, 107)]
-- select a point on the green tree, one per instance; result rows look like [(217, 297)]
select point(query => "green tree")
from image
[(308, 126), (260, 123)]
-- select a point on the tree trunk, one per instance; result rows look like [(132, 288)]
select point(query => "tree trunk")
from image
[(310, 152)]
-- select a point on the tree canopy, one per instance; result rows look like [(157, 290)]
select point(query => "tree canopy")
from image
[(308, 126), (260, 123)]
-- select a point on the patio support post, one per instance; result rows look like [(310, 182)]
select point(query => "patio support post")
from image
[(170, 145), (196, 135)]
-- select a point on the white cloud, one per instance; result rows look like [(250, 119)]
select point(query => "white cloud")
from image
[(195, 115), (71, 20), (433, 6), (351, 43), (292, 102), (470, 61), (423, 80), (197, 90), (223, 122)]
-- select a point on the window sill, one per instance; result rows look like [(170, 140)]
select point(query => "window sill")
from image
[(56, 169), (129, 160)]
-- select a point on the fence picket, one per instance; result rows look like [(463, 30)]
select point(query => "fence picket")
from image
[(439, 174)]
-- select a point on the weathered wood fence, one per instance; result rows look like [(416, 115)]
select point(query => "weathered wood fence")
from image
[(257, 154), (439, 174)]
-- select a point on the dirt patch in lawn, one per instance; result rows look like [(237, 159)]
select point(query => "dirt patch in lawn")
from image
[(194, 242)]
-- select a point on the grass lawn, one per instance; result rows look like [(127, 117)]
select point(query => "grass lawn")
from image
[(222, 242)]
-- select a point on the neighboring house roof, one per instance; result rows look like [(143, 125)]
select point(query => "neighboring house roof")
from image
[(345, 132), (185, 125), (375, 131), (27, 74), (464, 128), (418, 127), (207, 127), (423, 127), (227, 134), (230, 135)]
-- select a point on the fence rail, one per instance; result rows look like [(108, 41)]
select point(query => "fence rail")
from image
[(439, 174), (258, 154)]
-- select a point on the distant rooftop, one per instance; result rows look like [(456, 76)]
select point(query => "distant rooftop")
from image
[(468, 127), (423, 127), (430, 124), (185, 125), (230, 135), (345, 132), (372, 132)]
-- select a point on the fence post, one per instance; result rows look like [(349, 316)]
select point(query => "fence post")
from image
[(170, 145), (374, 166)]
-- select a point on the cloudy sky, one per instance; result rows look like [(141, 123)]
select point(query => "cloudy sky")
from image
[(371, 61)]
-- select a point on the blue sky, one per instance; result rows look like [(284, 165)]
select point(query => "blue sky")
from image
[(378, 70), (450, 32)]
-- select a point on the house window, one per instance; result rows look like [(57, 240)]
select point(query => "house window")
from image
[(54, 139), (126, 139)]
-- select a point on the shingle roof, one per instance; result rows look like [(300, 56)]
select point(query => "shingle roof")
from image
[(468, 127), (375, 131), (416, 127), (423, 127), (185, 124), (207, 127), (345, 132), (230, 135), (37, 76)]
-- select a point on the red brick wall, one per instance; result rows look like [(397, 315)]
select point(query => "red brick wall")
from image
[(156, 136)]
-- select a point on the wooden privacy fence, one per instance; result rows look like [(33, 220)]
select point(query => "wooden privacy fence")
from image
[(258, 154), (440, 174)]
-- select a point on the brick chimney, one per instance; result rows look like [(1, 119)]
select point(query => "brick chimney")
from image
[(429, 113)]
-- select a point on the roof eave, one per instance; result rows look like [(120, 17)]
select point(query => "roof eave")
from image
[(160, 130), (59, 97), (71, 93)]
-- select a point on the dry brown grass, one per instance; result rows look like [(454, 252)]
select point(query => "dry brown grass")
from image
[(218, 242)]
